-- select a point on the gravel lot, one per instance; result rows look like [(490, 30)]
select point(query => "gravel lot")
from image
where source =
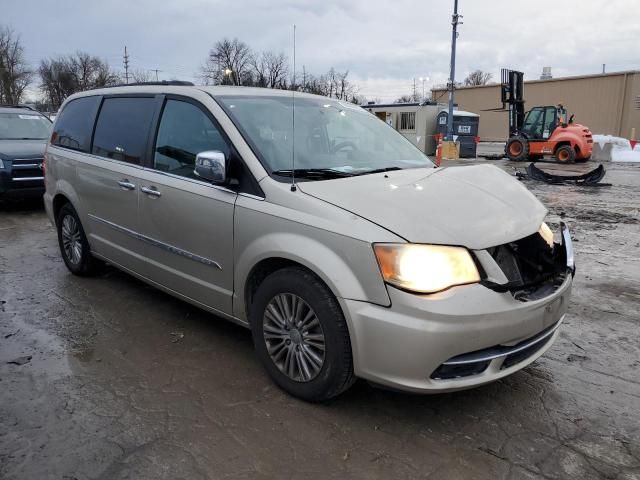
[(127, 382)]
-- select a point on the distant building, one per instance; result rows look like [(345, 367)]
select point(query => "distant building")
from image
[(546, 73), (421, 122), (607, 103)]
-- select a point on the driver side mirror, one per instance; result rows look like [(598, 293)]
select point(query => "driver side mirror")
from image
[(211, 166)]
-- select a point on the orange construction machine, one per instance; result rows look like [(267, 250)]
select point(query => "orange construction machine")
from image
[(542, 131)]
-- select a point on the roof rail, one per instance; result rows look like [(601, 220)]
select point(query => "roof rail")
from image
[(176, 83)]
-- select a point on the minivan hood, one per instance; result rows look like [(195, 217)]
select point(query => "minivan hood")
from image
[(12, 149), (476, 206)]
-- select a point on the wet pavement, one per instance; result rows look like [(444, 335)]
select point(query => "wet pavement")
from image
[(112, 379)]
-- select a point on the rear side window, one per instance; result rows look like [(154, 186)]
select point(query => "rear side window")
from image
[(122, 128), (75, 124)]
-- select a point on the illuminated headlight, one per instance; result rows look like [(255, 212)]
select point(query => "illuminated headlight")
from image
[(425, 268), (546, 233)]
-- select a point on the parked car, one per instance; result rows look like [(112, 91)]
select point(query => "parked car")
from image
[(23, 138), (329, 235)]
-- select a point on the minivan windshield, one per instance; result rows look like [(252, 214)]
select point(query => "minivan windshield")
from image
[(24, 126), (331, 137)]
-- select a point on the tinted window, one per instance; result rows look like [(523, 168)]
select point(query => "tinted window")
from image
[(122, 128), (75, 124), (185, 131)]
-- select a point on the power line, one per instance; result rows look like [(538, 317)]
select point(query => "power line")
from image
[(155, 70)]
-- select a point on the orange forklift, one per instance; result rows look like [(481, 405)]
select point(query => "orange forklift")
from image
[(542, 131)]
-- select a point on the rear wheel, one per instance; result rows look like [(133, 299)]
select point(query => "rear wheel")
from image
[(517, 149), (74, 246), (565, 154), (301, 336)]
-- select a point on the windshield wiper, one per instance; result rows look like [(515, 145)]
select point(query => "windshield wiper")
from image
[(321, 173), (378, 170)]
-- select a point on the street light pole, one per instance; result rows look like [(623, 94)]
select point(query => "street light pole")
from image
[(423, 79), (455, 20)]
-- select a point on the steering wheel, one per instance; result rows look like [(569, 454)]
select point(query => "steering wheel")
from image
[(342, 145)]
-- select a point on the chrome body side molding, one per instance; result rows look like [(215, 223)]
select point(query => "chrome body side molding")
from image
[(158, 243)]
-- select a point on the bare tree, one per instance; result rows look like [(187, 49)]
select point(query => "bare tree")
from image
[(15, 75), (478, 77), (269, 70), (404, 99), (63, 76), (332, 84), (228, 63), (141, 76)]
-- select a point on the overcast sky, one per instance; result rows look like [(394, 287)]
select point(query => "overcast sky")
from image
[(383, 44)]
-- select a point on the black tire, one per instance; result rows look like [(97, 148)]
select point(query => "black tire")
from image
[(336, 373), (517, 149), (565, 154), (80, 262)]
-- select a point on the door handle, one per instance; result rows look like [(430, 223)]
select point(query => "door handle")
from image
[(126, 184), (150, 191)]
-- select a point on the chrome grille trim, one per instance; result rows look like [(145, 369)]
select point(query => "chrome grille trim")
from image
[(503, 351)]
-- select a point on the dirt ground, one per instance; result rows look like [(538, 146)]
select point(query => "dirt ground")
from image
[(118, 380)]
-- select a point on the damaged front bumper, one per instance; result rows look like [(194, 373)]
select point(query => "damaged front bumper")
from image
[(460, 338)]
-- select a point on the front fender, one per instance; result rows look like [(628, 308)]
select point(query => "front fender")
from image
[(346, 265)]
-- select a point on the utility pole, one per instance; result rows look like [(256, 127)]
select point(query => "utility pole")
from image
[(455, 21), (415, 92), (126, 65), (604, 67), (155, 70)]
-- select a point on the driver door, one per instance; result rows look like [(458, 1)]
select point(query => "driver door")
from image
[(187, 223)]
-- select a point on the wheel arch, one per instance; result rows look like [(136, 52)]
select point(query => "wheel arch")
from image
[(562, 143), (64, 193), (59, 200), (360, 280)]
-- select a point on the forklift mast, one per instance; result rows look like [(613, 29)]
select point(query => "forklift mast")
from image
[(512, 95)]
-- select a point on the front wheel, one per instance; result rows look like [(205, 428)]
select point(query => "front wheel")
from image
[(301, 336), (517, 149), (74, 246)]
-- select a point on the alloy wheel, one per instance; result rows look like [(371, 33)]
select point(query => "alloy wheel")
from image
[(71, 239), (294, 337)]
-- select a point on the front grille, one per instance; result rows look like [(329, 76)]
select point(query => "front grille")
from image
[(522, 355), (533, 269), (476, 362), (27, 172)]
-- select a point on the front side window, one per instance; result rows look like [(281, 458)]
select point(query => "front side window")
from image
[(185, 130), (533, 123), (122, 128), (74, 125), (329, 135), (24, 126)]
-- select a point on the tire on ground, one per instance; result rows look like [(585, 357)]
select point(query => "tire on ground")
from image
[(517, 149), (86, 264), (336, 374), (565, 154)]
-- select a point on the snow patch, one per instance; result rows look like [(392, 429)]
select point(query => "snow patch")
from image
[(620, 148)]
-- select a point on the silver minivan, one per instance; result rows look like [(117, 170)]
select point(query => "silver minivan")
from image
[(317, 226)]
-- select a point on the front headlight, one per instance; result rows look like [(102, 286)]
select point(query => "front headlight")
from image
[(425, 268), (1, 164), (546, 233)]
